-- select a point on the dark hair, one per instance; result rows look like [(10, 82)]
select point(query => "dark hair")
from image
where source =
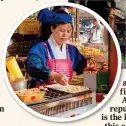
[(57, 24), (58, 8), (60, 11), (45, 32)]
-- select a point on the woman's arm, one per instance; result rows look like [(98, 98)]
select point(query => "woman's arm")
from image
[(37, 68), (36, 62)]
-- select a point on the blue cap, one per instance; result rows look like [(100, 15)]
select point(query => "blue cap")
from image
[(48, 16)]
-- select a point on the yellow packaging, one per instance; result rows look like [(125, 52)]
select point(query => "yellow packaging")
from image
[(13, 68)]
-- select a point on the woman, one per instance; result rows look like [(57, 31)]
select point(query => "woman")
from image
[(96, 32), (45, 26), (44, 30), (67, 9), (54, 61)]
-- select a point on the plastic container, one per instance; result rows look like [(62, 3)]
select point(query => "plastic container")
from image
[(13, 68)]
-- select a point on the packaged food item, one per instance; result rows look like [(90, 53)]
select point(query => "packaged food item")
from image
[(29, 26), (13, 68), (88, 51), (30, 95)]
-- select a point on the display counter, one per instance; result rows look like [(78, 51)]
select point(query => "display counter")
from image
[(78, 111), (57, 99)]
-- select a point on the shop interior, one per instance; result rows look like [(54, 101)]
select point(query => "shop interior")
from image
[(85, 91)]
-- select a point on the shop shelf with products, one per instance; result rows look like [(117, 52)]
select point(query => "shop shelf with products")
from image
[(93, 52), (23, 38)]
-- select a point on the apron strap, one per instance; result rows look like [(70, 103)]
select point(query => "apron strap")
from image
[(67, 51), (47, 49)]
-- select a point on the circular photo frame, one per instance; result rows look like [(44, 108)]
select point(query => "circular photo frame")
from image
[(97, 107)]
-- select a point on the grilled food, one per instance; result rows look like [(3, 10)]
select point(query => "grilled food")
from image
[(29, 95)]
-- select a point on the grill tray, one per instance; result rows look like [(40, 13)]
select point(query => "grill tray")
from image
[(58, 101), (53, 95)]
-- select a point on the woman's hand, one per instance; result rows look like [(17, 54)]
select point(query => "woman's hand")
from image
[(59, 78), (74, 74)]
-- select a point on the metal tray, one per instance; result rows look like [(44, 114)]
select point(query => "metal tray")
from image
[(53, 95), (65, 88)]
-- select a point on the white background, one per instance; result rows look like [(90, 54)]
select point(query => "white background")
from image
[(10, 12)]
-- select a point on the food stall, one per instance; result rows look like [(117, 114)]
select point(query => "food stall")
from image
[(55, 100), (52, 100)]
